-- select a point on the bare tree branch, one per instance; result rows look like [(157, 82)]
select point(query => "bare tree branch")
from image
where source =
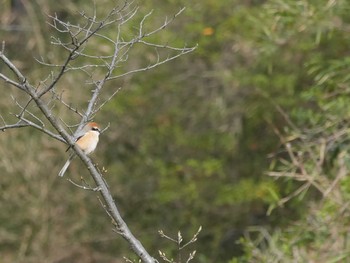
[(77, 48), (158, 63), (178, 240), (11, 66), (17, 125), (8, 80)]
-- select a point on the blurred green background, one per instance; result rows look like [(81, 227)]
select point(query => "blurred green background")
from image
[(190, 142)]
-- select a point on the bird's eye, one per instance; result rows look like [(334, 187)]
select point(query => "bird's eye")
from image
[(95, 129)]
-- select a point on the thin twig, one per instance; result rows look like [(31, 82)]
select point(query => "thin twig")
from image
[(10, 81), (13, 126)]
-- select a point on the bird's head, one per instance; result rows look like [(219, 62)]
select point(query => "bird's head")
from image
[(93, 126)]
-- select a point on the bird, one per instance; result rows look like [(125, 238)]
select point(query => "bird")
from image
[(87, 140)]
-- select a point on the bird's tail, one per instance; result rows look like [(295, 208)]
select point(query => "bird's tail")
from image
[(66, 165)]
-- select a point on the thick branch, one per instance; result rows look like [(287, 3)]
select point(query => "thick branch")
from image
[(122, 228), (112, 208)]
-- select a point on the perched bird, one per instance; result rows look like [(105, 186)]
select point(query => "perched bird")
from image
[(87, 141)]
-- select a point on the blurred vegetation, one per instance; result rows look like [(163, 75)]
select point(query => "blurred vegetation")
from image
[(190, 143)]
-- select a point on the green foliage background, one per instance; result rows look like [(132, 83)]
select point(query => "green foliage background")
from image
[(190, 142)]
